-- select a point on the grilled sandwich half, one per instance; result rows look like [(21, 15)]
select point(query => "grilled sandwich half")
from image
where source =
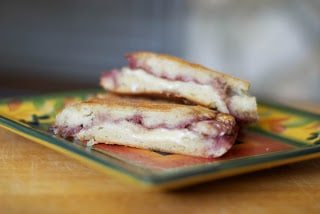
[(148, 123), (158, 74)]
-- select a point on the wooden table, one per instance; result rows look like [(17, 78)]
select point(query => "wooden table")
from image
[(35, 179)]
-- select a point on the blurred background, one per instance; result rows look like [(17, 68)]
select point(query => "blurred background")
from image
[(49, 46)]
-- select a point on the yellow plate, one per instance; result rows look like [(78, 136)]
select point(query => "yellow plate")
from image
[(282, 135)]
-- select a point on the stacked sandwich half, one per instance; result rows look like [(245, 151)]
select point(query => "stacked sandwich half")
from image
[(162, 103)]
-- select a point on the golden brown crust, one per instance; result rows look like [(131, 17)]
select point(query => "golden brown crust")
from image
[(117, 101), (230, 79)]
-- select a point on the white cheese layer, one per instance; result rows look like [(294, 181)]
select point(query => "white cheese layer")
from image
[(139, 81), (170, 140)]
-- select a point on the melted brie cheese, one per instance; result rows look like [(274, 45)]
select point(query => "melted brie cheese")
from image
[(135, 134), (162, 139), (138, 81)]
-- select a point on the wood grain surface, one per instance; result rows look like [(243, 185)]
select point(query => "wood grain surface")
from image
[(35, 179)]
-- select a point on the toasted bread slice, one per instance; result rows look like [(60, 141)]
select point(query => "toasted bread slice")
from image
[(148, 124), (159, 74)]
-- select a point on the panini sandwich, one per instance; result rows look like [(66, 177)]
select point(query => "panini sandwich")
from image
[(158, 74), (150, 124)]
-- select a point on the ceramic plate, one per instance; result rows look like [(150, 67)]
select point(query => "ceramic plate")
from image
[(282, 135)]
